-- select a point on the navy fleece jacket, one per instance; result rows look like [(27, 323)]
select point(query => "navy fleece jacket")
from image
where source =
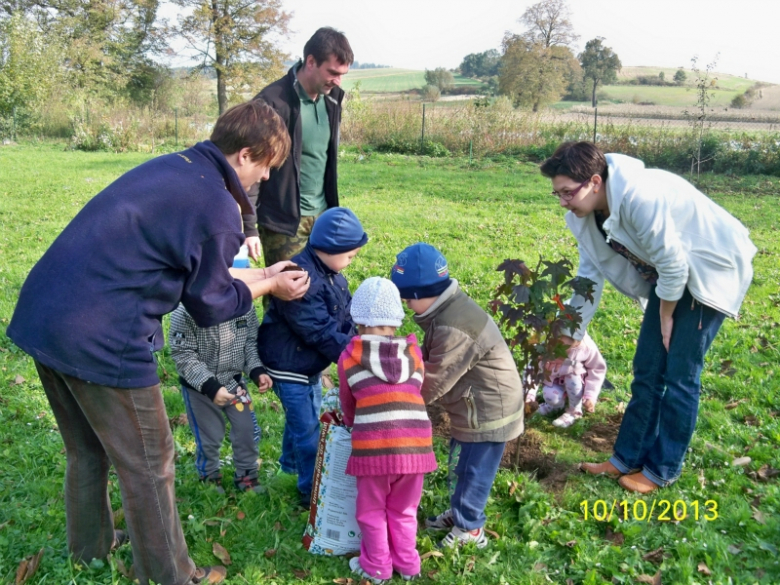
[(163, 233)]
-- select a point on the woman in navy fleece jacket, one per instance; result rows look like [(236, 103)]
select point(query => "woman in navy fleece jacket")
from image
[(90, 315)]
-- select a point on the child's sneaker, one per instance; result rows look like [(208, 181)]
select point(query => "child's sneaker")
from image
[(545, 409), (354, 565), (460, 537), (248, 483), (214, 479), (440, 522), (566, 420)]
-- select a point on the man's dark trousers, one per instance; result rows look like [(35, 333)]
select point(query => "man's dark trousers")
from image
[(128, 428)]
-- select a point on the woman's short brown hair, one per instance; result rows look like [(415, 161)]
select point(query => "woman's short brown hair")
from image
[(576, 160), (256, 126)]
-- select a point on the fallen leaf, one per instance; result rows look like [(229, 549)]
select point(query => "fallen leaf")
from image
[(540, 567), (755, 502), (493, 533), (732, 405), (212, 522), (274, 406), (470, 565), (18, 380), (240, 515), (569, 582), (270, 552), (704, 569), (223, 532), (617, 538), (344, 581), (27, 568), (178, 421), (431, 553), (432, 574), (765, 473), (726, 368), (655, 556), (278, 526), (301, 573), (221, 553), (702, 479), (513, 488), (621, 407), (741, 461), (571, 543), (735, 550), (751, 421), (654, 580), (758, 516)]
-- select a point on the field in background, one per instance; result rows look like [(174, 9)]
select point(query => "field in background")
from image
[(478, 214), (392, 80)]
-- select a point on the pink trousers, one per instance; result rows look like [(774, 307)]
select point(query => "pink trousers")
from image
[(387, 515)]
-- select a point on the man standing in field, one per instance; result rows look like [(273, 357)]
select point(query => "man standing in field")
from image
[(309, 100), (90, 315)]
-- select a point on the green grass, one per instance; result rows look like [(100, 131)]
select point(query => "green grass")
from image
[(477, 216), (392, 80), (666, 96)]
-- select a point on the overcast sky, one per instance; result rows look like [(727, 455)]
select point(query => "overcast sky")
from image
[(419, 34)]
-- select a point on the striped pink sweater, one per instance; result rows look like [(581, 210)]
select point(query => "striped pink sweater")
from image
[(379, 387)]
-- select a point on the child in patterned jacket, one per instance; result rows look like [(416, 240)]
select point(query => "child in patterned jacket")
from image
[(380, 377), (579, 376)]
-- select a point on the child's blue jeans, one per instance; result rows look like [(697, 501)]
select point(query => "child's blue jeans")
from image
[(301, 404), (661, 416), (472, 469)]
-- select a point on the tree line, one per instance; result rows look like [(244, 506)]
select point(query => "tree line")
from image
[(91, 50)]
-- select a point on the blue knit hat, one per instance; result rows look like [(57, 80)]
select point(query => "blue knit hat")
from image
[(420, 272), (336, 231)]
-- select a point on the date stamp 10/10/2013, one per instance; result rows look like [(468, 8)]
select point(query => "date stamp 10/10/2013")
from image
[(642, 511)]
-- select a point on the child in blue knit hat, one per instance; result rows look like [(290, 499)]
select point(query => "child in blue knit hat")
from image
[(469, 368), (299, 339)]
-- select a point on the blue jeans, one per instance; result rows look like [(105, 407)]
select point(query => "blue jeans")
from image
[(661, 416), (472, 469), (301, 404)]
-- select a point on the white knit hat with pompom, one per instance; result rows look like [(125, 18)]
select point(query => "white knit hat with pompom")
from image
[(377, 303)]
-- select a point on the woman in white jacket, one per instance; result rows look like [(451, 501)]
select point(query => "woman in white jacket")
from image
[(686, 260)]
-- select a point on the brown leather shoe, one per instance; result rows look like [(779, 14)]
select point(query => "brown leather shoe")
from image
[(637, 482), (210, 575), (605, 468)]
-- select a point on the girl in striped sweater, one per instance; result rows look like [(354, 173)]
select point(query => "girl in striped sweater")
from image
[(379, 385)]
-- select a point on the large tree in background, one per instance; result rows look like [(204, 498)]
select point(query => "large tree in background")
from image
[(538, 65), (535, 75), (548, 22), (238, 38), (599, 64)]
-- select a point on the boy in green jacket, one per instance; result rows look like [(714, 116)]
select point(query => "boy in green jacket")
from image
[(469, 368)]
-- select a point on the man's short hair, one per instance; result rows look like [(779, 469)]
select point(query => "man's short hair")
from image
[(577, 160), (328, 41), (254, 125)]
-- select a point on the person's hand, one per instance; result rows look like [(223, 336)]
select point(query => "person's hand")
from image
[(275, 269), (248, 275), (667, 321), (289, 286), (223, 397), (264, 382), (253, 246)]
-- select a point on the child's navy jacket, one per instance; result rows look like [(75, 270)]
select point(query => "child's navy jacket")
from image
[(163, 233), (299, 339)]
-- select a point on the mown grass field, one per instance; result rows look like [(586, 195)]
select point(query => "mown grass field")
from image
[(393, 80), (477, 215)]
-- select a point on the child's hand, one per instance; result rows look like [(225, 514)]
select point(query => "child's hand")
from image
[(264, 382), (588, 406), (223, 397)]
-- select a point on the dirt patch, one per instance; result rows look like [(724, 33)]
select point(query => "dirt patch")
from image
[(549, 474), (601, 437)]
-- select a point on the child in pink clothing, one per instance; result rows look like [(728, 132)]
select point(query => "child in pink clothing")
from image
[(379, 386), (579, 377)]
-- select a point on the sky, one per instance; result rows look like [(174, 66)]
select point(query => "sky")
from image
[(420, 34)]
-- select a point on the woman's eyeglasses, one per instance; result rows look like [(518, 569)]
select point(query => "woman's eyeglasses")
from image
[(570, 195)]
